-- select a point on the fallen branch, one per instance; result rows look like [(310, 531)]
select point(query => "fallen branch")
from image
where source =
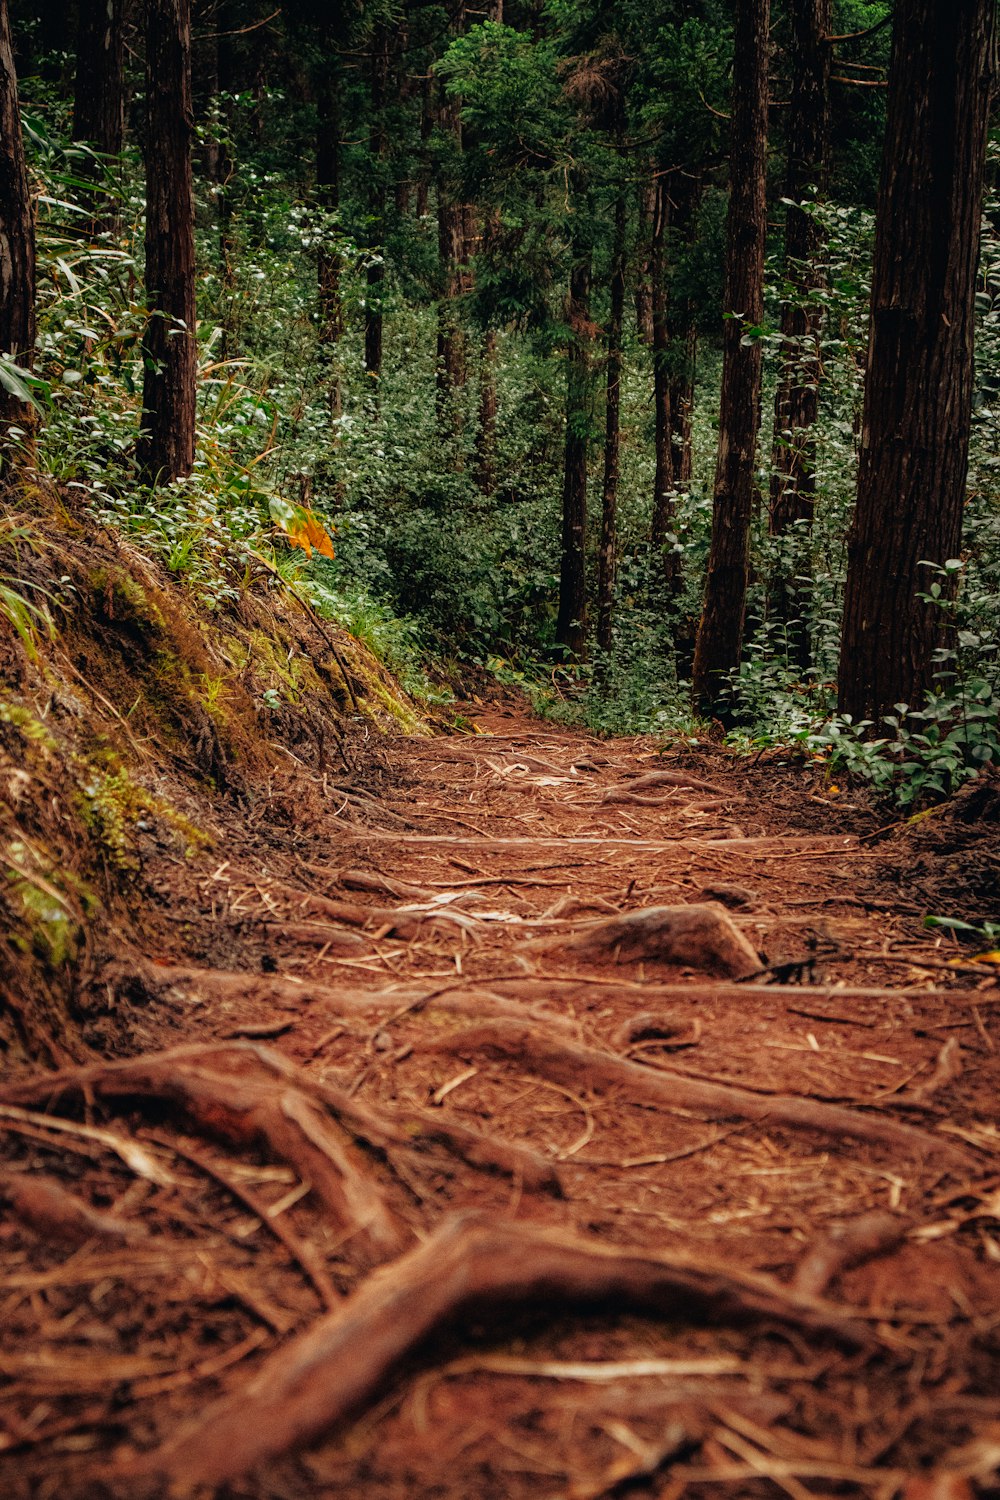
[(341, 1363), (569, 1062)]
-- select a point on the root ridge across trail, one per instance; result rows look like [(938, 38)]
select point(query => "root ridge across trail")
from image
[(593, 1118)]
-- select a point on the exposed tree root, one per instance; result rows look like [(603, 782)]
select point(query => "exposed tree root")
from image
[(229, 1105), (472, 1261), (572, 1064), (680, 779), (44, 1205), (847, 1245), (242, 1109), (700, 936), (459, 998)]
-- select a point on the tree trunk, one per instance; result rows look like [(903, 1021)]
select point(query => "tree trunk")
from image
[(375, 275), (571, 623), (487, 438), (720, 631), (643, 290), (99, 97), (607, 555), (165, 449), (17, 238), (682, 405), (329, 268), (793, 473), (918, 393), (663, 479), (453, 236)]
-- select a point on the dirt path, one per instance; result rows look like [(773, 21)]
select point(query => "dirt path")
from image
[(432, 1178)]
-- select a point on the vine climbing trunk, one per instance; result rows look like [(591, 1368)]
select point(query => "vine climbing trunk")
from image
[(720, 631), (608, 551), (918, 390), (17, 243), (166, 446), (571, 622), (793, 463)]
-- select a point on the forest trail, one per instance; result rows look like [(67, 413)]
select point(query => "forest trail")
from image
[(427, 1181)]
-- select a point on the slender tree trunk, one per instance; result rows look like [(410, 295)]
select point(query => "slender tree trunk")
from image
[(571, 623), (643, 290), (165, 449), (607, 556), (720, 632), (486, 441), (918, 392), (663, 478), (17, 238), (454, 219), (682, 406), (377, 200), (99, 96), (793, 471), (329, 268)]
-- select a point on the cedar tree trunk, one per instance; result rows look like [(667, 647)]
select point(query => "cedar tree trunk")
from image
[(17, 236), (99, 96), (377, 200), (607, 554), (918, 393), (793, 474), (165, 450), (720, 631), (571, 623)]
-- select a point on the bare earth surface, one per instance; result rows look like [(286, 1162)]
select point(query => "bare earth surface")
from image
[(429, 1177)]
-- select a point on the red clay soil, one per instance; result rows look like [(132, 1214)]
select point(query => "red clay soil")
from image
[(429, 1175)]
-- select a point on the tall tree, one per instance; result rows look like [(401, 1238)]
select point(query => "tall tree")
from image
[(330, 268), (571, 622), (918, 393), (720, 631), (793, 466), (17, 239), (167, 440), (453, 214), (608, 551), (378, 76), (99, 94)]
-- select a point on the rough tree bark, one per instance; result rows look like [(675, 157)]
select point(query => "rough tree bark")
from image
[(99, 94), (720, 631), (571, 623), (918, 392), (454, 225), (377, 143), (793, 473), (17, 237), (607, 554), (331, 305), (663, 477), (165, 449)]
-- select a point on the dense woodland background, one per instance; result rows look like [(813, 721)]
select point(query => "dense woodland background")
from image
[(462, 297)]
